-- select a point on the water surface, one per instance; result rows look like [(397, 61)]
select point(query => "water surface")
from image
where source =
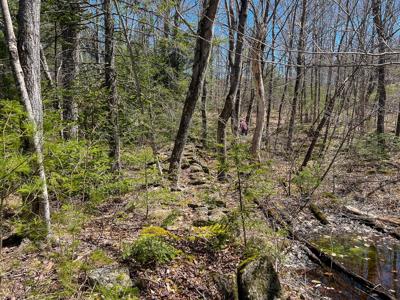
[(375, 259)]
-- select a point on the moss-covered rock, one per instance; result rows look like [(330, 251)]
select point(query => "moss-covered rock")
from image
[(226, 285), (257, 279), (109, 276)]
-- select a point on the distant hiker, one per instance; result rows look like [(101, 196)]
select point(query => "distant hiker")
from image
[(243, 127)]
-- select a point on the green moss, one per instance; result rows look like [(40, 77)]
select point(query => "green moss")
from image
[(99, 258), (246, 261), (170, 219), (156, 231), (216, 235), (356, 251), (117, 292)]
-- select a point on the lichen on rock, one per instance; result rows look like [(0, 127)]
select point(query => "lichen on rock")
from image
[(257, 279)]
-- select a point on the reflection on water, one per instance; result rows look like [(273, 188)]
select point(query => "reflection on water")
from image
[(374, 259)]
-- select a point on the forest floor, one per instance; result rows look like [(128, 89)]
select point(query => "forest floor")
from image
[(91, 239)]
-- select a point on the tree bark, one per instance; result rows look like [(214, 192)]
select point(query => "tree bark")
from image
[(380, 70), (236, 110), (270, 81), (27, 63), (286, 86), (29, 54), (299, 72), (111, 86), (201, 59), (398, 122), (45, 67), (234, 84), (250, 107), (70, 65), (204, 116), (259, 83)]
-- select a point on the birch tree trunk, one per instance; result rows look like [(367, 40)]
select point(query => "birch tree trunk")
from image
[(111, 86), (27, 74), (201, 59)]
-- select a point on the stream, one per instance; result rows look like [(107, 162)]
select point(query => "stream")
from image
[(375, 258)]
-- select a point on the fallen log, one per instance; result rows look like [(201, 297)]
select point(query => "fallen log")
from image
[(387, 219), (370, 287), (382, 185), (375, 225), (324, 259), (318, 214)]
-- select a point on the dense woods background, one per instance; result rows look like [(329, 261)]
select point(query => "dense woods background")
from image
[(128, 114)]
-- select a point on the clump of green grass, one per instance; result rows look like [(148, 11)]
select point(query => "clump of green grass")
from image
[(152, 247)]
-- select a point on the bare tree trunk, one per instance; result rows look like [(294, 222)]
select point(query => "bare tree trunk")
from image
[(230, 15), (236, 110), (250, 107), (313, 98), (271, 79), (70, 66), (281, 104), (259, 83), (234, 84), (27, 73), (329, 102), (29, 54), (398, 122), (97, 48), (380, 70), (256, 142), (201, 59), (111, 86), (285, 88), (339, 90), (204, 116), (45, 67), (299, 72)]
